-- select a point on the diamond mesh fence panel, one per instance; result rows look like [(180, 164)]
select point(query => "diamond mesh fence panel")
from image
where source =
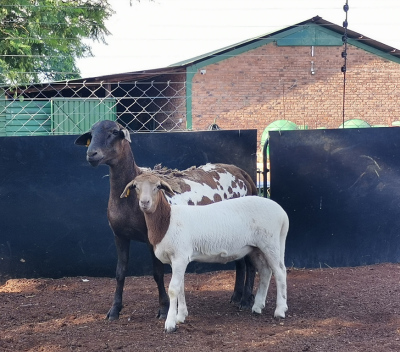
[(72, 108)]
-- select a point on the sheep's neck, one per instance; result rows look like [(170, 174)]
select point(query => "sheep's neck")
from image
[(158, 222), (122, 172)]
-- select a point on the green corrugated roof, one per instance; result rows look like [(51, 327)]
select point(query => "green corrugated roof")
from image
[(218, 51), (315, 31)]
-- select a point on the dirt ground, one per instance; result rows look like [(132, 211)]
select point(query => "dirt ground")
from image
[(330, 309)]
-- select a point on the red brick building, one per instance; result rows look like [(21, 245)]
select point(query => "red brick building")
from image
[(295, 74)]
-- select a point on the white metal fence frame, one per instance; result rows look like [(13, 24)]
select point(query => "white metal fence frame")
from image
[(156, 104)]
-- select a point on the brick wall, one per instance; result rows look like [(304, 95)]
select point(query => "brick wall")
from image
[(169, 105), (270, 83)]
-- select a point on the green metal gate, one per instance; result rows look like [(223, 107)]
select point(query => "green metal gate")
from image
[(25, 118), (56, 116), (75, 116)]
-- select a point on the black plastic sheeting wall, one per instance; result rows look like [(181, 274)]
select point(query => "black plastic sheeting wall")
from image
[(341, 190), (53, 203)]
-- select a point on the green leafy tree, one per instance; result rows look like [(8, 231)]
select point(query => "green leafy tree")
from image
[(40, 40)]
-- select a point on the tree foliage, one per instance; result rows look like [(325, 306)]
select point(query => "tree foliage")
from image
[(40, 40)]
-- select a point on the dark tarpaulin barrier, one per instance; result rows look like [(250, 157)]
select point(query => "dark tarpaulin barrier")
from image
[(341, 190), (53, 203)]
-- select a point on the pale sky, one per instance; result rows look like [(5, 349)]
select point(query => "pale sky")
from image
[(155, 34)]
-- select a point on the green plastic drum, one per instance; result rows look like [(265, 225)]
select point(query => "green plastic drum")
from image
[(279, 125), (355, 123)]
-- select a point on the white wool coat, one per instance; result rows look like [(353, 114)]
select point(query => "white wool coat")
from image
[(223, 231)]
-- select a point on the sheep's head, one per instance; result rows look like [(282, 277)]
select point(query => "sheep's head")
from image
[(104, 142), (148, 188)]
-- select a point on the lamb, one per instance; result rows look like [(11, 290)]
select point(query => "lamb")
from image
[(108, 143), (217, 233)]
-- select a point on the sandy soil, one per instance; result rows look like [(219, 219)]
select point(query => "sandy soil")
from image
[(330, 309)]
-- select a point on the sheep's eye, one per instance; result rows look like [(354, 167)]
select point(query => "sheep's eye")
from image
[(158, 186), (112, 133)]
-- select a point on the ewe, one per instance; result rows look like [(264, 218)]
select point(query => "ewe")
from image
[(217, 233)]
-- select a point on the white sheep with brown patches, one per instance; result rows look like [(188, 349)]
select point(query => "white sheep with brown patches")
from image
[(216, 233)]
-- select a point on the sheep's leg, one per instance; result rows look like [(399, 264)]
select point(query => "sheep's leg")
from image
[(239, 281), (182, 308), (122, 245), (158, 275), (281, 284), (248, 297), (174, 291), (265, 274), (279, 271)]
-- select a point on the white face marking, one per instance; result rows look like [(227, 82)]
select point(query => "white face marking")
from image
[(147, 192), (198, 190)]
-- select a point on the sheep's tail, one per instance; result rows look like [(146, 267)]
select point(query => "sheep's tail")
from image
[(251, 185), (283, 235)]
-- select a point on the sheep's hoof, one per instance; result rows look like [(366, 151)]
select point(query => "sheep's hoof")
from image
[(113, 314), (246, 303), (236, 298), (171, 329), (280, 313), (162, 315), (181, 318)]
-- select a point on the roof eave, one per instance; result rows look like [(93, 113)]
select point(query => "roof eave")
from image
[(389, 50)]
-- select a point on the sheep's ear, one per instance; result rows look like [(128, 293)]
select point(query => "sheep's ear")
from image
[(167, 188), (127, 189), (124, 132), (84, 139)]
